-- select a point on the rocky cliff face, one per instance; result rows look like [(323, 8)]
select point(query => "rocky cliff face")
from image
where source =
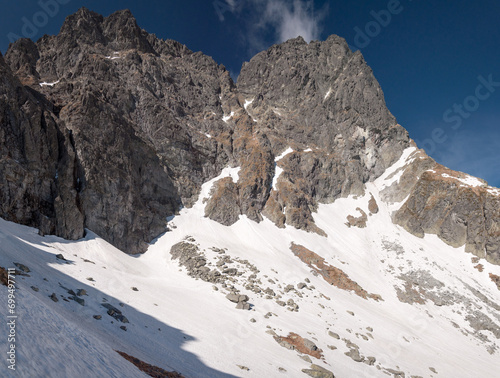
[(137, 111), (37, 162), (107, 127)]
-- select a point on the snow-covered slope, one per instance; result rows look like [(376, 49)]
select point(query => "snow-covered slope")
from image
[(434, 311)]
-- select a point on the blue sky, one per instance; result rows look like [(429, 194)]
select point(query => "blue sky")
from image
[(438, 62)]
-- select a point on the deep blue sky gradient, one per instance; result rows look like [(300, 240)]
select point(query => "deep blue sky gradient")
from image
[(427, 58)]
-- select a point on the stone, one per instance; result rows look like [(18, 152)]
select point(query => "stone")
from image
[(78, 300), (53, 296), (34, 288), (360, 221), (301, 285), (310, 345), (60, 257), (98, 317), (372, 205), (370, 361), (243, 306), (317, 371), (23, 268), (334, 335), (115, 313), (81, 292), (306, 358), (354, 354)]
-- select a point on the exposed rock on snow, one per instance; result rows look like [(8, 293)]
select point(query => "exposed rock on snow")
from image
[(296, 342), (357, 221), (317, 371), (150, 370), (372, 205), (331, 274)]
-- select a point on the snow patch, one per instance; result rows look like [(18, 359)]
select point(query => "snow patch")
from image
[(494, 191), (277, 173), (49, 84), (390, 176), (247, 103), (289, 150), (328, 94), (468, 181), (228, 117)]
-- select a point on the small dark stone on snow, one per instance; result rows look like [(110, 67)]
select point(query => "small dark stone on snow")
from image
[(81, 292), (53, 296), (80, 301), (22, 267), (134, 288), (34, 288), (98, 317), (60, 257), (334, 335), (123, 328), (243, 306)]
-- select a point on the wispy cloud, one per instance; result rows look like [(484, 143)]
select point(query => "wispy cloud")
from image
[(276, 21), (292, 19)]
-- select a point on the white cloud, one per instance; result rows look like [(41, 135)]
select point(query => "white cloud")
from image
[(290, 20)]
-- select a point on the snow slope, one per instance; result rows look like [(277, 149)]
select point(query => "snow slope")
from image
[(179, 323)]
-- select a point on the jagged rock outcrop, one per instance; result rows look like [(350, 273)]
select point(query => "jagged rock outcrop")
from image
[(443, 203), (223, 206)]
